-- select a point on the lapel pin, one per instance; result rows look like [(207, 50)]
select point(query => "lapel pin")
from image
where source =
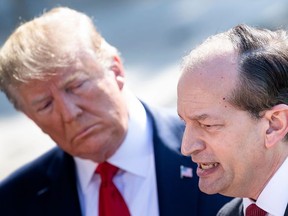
[(186, 172)]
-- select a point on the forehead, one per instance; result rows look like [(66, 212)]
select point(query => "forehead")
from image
[(84, 62), (209, 75), (81, 67), (33, 87)]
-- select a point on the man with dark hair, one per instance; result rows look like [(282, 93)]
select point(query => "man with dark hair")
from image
[(233, 97), (115, 155)]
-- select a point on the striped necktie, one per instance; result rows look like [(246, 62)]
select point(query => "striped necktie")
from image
[(254, 210)]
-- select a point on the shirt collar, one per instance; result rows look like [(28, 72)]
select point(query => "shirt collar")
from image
[(133, 154), (276, 187)]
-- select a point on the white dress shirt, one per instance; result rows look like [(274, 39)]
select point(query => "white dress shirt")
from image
[(274, 198), (136, 180)]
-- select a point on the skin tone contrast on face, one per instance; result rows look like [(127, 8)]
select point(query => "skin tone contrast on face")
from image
[(227, 143), (81, 108)]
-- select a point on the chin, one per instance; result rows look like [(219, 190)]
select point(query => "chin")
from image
[(208, 189), (210, 192)]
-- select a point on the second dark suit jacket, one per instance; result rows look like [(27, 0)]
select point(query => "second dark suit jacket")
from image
[(47, 186), (235, 208)]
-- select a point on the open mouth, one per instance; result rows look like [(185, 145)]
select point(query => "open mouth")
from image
[(206, 166)]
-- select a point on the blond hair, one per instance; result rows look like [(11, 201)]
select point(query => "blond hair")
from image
[(53, 40)]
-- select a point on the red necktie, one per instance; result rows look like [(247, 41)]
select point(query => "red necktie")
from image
[(254, 210), (111, 203)]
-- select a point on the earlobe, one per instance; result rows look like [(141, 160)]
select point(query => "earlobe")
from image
[(278, 124)]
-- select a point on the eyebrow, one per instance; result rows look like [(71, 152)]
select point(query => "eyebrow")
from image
[(197, 117), (39, 100), (201, 117), (72, 78)]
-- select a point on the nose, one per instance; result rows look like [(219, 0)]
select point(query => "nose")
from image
[(191, 142), (68, 108)]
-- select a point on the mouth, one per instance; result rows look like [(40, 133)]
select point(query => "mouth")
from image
[(207, 166), (83, 133)]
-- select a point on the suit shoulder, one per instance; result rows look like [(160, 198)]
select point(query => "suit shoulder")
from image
[(37, 187), (165, 119), (30, 174), (167, 126)]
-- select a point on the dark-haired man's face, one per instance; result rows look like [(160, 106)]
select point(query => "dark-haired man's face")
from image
[(225, 142)]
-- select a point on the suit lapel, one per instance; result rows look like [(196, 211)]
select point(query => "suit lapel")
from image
[(167, 140), (232, 208), (173, 200), (60, 196), (286, 211)]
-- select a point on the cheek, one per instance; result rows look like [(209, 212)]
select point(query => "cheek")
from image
[(229, 146), (54, 129), (243, 147), (99, 99)]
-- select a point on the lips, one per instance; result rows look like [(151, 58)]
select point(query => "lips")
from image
[(207, 166), (83, 133), (206, 169)]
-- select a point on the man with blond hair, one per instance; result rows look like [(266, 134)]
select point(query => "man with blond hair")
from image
[(115, 155)]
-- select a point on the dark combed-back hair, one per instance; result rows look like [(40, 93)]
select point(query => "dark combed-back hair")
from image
[(263, 68)]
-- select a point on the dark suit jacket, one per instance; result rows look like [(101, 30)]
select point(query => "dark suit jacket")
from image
[(235, 208), (47, 186)]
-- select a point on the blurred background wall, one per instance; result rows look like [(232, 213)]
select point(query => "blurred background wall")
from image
[(152, 35)]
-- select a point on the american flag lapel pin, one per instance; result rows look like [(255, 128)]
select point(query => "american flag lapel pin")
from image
[(186, 172)]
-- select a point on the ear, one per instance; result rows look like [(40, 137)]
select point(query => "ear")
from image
[(278, 124), (118, 69)]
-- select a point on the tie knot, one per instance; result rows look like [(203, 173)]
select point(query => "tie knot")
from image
[(106, 171), (254, 210)]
